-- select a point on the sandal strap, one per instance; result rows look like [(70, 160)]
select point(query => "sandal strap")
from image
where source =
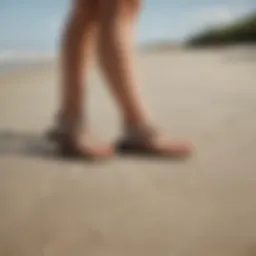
[(141, 133)]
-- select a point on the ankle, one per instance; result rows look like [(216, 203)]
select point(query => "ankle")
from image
[(138, 129), (68, 123)]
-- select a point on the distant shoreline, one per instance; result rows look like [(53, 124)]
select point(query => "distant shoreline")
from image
[(14, 65), (19, 64)]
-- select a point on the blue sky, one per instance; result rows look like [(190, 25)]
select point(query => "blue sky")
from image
[(35, 25)]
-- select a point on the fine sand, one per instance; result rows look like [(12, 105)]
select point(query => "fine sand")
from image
[(204, 206)]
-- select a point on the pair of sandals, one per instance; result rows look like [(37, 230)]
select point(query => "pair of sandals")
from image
[(145, 141)]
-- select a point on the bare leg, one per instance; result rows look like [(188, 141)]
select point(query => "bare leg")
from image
[(116, 56), (76, 50), (76, 46)]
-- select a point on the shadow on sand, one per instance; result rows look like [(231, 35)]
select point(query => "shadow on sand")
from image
[(26, 144), (23, 144)]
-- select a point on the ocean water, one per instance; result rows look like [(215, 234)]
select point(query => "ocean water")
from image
[(30, 31)]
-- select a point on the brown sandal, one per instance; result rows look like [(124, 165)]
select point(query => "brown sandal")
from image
[(69, 147), (148, 142)]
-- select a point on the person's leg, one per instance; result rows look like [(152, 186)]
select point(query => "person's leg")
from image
[(116, 56), (76, 50)]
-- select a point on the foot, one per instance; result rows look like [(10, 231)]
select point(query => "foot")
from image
[(78, 145), (147, 141)]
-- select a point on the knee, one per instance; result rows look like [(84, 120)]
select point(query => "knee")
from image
[(121, 8), (85, 9), (131, 7)]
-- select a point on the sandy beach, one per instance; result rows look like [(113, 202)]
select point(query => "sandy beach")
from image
[(204, 206)]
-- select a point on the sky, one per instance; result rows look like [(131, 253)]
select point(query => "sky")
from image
[(35, 25)]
